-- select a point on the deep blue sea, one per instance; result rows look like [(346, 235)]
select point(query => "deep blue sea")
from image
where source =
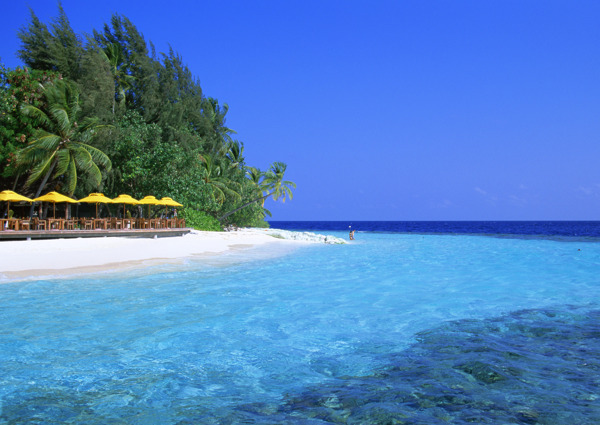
[(534, 229), (411, 323)]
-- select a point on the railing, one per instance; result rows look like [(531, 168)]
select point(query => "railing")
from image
[(75, 224)]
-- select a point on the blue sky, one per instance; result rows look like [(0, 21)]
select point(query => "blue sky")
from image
[(392, 110)]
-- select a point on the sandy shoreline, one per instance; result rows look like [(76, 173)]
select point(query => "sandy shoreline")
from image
[(58, 257)]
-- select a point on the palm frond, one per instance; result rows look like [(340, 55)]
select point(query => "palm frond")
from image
[(97, 156), (46, 141), (39, 170), (37, 114), (71, 177), (63, 157), (85, 163), (61, 119)]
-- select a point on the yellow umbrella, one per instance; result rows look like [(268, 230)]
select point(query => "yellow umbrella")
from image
[(168, 202), (149, 200), (55, 197), (10, 196), (96, 198), (125, 199)]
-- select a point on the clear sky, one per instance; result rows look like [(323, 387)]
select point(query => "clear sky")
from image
[(391, 110)]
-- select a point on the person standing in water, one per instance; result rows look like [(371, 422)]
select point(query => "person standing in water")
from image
[(351, 235)]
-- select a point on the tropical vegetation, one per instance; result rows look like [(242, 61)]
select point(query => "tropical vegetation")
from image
[(105, 113)]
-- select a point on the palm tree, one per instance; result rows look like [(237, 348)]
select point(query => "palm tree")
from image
[(219, 136), (113, 54), (60, 145), (235, 154), (272, 184), (214, 176), (254, 175)]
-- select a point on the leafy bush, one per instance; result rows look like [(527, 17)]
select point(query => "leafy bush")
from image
[(200, 220)]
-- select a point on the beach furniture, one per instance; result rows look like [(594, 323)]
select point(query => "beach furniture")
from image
[(100, 223), (9, 224), (169, 202), (38, 224), (55, 223), (97, 198), (149, 200), (10, 196), (125, 199), (54, 198), (142, 223), (128, 223), (155, 223), (116, 223)]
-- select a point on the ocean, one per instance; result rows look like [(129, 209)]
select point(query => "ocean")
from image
[(410, 323), (522, 229)]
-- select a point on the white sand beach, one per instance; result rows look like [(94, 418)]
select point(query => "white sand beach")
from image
[(23, 259)]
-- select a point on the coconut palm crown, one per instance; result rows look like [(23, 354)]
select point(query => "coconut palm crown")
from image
[(60, 146), (272, 184)]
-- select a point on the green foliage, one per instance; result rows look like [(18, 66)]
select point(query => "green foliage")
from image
[(60, 144), (139, 157), (166, 138), (263, 185), (18, 87), (199, 220), (58, 49), (96, 85)]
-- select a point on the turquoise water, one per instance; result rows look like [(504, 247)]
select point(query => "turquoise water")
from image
[(320, 335)]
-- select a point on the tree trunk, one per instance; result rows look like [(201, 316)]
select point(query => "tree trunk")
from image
[(16, 181), (244, 206), (44, 181)]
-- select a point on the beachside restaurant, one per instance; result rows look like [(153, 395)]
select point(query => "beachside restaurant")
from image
[(166, 219)]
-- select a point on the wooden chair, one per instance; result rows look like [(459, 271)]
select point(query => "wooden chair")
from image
[(86, 223), (39, 224), (24, 224), (100, 223), (142, 223), (69, 224), (55, 224), (116, 223)]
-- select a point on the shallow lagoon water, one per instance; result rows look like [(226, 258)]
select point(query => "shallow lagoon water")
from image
[(358, 333)]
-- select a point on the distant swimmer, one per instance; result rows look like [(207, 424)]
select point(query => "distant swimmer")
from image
[(351, 235)]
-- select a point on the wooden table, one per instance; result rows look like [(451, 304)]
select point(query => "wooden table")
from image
[(116, 223), (56, 223), (39, 224), (128, 223), (9, 224), (100, 223), (143, 223), (25, 224)]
